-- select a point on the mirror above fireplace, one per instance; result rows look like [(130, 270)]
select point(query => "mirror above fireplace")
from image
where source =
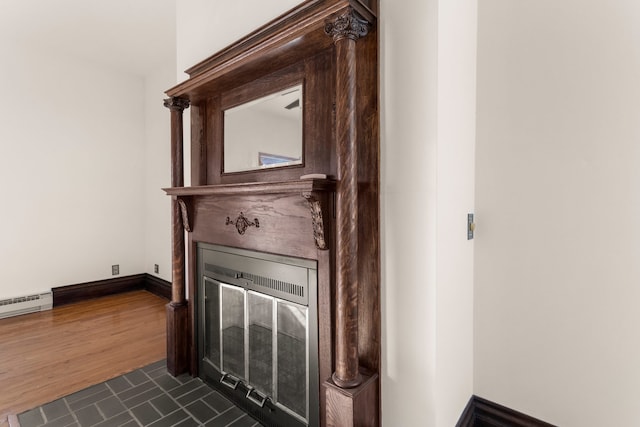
[(265, 132)]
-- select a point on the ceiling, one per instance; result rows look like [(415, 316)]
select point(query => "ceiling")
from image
[(133, 36)]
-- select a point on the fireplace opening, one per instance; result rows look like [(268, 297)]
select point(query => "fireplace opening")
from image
[(258, 332)]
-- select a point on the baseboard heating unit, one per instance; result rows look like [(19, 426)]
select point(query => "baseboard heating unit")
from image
[(24, 305)]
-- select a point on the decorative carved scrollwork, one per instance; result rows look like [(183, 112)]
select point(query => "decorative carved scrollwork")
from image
[(176, 104), (242, 223), (185, 215), (317, 219), (348, 25)]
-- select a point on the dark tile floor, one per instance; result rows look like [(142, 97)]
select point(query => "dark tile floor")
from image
[(145, 397)]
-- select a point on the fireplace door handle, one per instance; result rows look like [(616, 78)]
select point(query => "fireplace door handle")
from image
[(230, 381), (260, 400)]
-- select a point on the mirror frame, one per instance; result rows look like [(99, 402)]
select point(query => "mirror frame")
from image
[(317, 77)]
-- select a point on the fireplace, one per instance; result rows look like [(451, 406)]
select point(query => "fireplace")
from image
[(276, 269), (258, 332)]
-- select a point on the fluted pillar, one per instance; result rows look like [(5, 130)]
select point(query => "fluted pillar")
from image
[(177, 309), (346, 30)]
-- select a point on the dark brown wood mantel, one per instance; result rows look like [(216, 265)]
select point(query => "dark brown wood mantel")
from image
[(317, 192), (295, 186), (330, 47)]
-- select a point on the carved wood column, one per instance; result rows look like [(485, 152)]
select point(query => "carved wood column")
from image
[(346, 30), (177, 309)]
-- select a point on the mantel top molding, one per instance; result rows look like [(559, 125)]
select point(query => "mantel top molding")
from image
[(283, 41), (298, 186)]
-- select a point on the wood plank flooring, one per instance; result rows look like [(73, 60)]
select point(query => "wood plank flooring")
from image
[(47, 355)]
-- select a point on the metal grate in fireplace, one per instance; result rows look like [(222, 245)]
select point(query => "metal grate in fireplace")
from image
[(290, 289), (258, 337), (276, 285)]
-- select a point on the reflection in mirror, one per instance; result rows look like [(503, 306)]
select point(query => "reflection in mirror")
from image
[(264, 133)]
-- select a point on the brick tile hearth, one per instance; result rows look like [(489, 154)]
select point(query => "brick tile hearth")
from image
[(146, 397)]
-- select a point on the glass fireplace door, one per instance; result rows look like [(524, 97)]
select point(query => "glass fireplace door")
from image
[(292, 353), (232, 326), (261, 327), (257, 339), (260, 342)]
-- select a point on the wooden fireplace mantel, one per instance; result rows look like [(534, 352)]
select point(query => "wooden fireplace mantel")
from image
[(318, 193), (330, 47), (296, 186)]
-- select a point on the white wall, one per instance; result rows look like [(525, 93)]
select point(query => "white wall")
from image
[(71, 149), (409, 134), (428, 140), (558, 203), (157, 214), (457, 43)]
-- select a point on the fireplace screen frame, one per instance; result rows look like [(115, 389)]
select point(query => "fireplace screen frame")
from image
[(283, 280)]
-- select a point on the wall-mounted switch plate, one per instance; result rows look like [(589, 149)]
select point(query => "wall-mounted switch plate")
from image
[(156, 268), (115, 269), (471, 226)]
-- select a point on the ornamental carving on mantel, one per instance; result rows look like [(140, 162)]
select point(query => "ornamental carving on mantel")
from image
[(176, 104), (242, 223), (348, 25), (185, 215), (316, 218)]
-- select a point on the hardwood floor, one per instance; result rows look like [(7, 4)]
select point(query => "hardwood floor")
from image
[(47, 355)]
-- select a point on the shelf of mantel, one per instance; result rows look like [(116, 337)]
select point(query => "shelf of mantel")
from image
[(297, 186)]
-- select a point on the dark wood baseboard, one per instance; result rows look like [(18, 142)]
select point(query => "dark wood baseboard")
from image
[(83, 291), (480, 412), (157, 286), (467, 418)]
